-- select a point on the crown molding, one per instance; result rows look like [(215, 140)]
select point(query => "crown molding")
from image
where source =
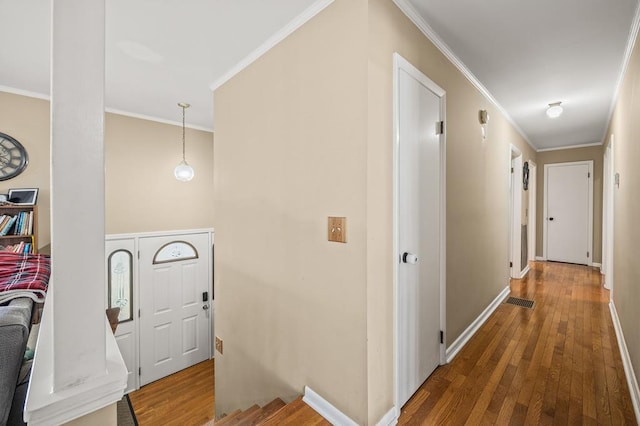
[(157, 120), (297, 22), (47, 98), (27, 93), (407, 8), (631, 42), (560, 148)]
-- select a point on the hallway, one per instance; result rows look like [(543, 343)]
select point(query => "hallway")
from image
[(555, 364), (558, 363)]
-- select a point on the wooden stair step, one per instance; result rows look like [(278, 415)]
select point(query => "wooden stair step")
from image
[(240, 418), (295, 413), (225, 420), (266, 411)]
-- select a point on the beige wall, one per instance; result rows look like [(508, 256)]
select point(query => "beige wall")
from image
[(477, 193), (290, 151), (625, 128), (107, 416), (141, 192), (27, 120), (306, 132), (593, 153)]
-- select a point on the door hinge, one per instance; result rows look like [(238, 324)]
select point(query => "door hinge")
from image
[(138, 313), (510, 264), (138, 254), (587, 254), (139, 371), (588, 174), (512, 170), (439, 127), (441, 336)]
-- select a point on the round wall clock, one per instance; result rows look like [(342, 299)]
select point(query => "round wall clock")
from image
[(13, 157)]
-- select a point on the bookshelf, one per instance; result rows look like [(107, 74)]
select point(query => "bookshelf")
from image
[(27, 237)]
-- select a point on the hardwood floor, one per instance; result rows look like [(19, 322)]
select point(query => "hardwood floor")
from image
[(184, 398), (555, 364)]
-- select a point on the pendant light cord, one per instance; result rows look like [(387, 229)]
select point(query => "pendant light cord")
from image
[(183, 143)]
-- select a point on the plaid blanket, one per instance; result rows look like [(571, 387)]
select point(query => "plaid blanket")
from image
[(24, 275)]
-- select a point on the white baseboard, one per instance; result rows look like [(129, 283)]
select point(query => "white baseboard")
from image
[(540, 259), (325, 409), (632, 381), (462, 340), (389, 419), (597, 265), (524, 272)]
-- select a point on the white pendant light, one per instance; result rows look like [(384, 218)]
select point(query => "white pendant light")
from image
[(183, 171), (554, 110)]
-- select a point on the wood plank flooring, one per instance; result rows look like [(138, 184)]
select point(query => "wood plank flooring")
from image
[(184, 398), (557, 364)]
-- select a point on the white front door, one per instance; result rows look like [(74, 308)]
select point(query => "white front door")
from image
[(174, 311), (568, 212), (419, 229)]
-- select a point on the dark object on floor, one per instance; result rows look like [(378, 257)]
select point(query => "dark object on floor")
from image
[(126, 416), (525, 303)]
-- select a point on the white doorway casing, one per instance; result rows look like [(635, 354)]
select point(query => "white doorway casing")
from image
[(568, 212), (532, 215), (517, 270), (419, 206), (607, 217), (130, 335)]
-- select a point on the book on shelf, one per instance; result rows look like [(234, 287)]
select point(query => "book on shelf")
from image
[(3, 222), (7, 227)]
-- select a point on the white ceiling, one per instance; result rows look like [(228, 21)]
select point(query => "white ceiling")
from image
[(527, 54), (531, 53), (191, 44)]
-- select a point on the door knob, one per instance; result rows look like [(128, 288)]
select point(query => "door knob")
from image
[(205, 306), (550, 218), (409, 258)]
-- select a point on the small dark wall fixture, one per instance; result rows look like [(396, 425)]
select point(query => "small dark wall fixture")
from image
[(525, 176)]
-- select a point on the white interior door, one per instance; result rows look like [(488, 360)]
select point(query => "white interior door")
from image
[(419, 220), (174, 315), (568, 212)]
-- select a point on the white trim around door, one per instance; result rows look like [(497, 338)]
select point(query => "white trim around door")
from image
[(546, 218), (399, 63)]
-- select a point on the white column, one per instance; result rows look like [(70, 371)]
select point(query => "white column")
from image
[(77, 191)]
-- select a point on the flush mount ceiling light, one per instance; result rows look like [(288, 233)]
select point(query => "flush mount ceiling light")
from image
[(554, 110), (183, 171)]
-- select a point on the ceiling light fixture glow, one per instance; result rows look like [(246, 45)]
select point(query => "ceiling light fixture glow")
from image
[(554, 110)]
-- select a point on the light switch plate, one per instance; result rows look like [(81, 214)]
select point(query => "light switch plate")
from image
[(337, 229)]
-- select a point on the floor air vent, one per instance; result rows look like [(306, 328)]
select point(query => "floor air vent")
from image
[(525, 303)]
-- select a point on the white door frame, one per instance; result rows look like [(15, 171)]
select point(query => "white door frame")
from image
[(515, 214), (400, 63), (607, 217), (590, 212), (533, 188), (135, 237)]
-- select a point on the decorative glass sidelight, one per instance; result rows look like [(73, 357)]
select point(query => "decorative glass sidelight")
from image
[(120, 276), (174, 252)]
